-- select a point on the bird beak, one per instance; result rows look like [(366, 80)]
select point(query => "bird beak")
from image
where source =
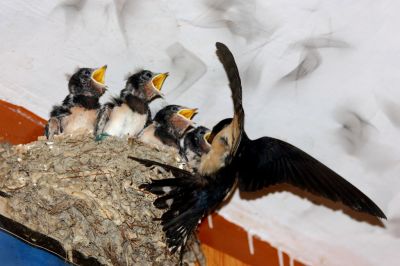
[(182, 119), (153, 87), (98, 79), (187, 113), (206, 145), (159, 80), (99, 74), (207, 138)]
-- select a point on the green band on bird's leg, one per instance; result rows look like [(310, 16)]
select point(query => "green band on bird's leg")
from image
[(101, 136)]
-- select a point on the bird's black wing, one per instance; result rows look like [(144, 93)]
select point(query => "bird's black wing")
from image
[(228, 61), (103, 116), (183, 197), (185, 201), (268, 161)]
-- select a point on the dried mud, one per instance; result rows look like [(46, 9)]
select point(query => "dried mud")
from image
[(85, 195)]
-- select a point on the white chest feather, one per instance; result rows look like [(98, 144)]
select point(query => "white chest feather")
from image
[(80, 119), (123, 121)]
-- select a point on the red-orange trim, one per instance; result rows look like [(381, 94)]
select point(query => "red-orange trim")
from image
[(233, 240), (18, 125)]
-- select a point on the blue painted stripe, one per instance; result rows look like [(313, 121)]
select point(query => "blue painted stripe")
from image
[(15, 252)]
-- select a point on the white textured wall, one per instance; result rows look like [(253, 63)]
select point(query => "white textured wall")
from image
[(323, 75)]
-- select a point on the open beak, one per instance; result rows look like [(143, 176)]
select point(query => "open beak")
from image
[(187, 113), (182, 120), (99, 74), (207, 138), (159, 80), (206, 144)]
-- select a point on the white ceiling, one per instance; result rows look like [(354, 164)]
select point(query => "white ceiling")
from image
[(322, 75)]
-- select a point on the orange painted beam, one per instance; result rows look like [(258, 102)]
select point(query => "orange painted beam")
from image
[(18, 125), (233, 240), (215, 257), (225, 243)]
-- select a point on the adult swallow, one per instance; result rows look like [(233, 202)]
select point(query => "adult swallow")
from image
[(252, 164)]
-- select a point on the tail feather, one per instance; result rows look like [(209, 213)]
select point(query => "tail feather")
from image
[(159, 187), (174, 170), (163, 202), (185, 208), (174, 199)]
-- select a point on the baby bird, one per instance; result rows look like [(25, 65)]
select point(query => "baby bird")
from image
[(130, 113), (169, 126), (79, 109), (194, 145)]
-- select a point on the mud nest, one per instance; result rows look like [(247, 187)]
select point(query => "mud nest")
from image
[(80, 199)]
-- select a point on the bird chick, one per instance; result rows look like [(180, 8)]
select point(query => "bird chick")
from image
[(169, 126), (79, 109), (130, 113), (194, 144)]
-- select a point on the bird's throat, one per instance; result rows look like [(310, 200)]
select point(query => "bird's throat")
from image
[(88, 102)]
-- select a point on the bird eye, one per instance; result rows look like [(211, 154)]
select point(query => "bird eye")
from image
[(175, 109), (86, 73), (147, 75)]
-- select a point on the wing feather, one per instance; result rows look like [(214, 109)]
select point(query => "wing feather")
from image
[(228, 61), (268, 161)]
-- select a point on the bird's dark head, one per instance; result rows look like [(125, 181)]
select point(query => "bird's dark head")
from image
[(196, 140), (218, 128), (221, 139), (88, 82), (176, 118), (145, 85)]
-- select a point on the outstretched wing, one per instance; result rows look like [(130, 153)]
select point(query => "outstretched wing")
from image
[(232, 72), (268, 161), (225, 136)]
